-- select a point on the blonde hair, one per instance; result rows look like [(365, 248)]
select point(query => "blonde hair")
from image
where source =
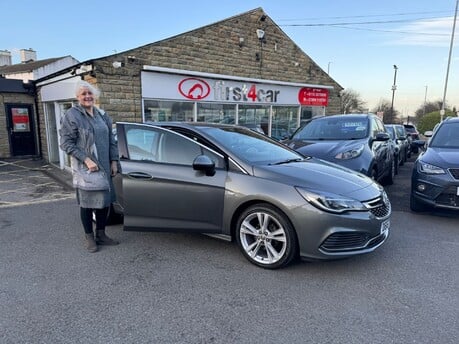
[(84, 84)]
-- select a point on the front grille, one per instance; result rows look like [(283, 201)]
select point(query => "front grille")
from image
[(351, 241), (379, 207), (345, 241), (448, 197), (454, 172)]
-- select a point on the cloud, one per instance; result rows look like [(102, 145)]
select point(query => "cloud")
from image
[(432, 32)]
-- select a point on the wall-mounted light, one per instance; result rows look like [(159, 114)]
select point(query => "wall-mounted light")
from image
[(241, 42), (260, 34), (118, 64)]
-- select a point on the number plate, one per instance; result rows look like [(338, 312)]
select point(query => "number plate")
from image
[(385, 226)]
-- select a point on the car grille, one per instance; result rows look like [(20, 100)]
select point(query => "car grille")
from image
[(454, 172), (448, 197), (346, 241), (379, 207)]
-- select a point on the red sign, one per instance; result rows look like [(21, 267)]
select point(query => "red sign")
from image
[(313, 96), (194, 88)]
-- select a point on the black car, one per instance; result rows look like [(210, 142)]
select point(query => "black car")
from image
[(359, 142), (413, 133), (435, 177), (402, 145)]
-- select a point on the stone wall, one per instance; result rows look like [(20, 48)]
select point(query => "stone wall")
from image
[(12, 98), (211, 49)]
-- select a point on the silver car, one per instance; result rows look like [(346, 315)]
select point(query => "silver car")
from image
[(236, 184)]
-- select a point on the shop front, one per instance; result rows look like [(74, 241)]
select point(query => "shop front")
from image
[(273, 107)]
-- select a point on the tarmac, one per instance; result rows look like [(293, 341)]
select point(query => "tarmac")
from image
[(32, 180)]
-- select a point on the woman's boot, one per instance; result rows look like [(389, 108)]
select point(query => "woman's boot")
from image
[(103, 239), (91, 244)]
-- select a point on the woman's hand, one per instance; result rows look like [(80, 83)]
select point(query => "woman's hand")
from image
[(114, 167), (91, 165)]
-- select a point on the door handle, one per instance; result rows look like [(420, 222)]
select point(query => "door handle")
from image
[(139, 175)]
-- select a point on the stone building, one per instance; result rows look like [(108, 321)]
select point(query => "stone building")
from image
[(19, 130), (243, 70)]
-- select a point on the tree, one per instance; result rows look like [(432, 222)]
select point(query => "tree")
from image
[(385, 107), (351, 102), (428, 121), (428, 108)]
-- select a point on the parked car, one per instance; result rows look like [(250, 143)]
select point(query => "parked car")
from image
[(413, 133), (395, 147), (359, 142), (435, 177), (234, 183), (398, 135)]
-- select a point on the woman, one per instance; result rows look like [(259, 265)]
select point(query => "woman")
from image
[(86, 136)]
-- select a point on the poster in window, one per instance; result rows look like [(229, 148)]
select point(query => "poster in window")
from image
[(20, 119)]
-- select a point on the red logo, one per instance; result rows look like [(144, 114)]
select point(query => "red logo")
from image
[(193, 88), (313, 96)]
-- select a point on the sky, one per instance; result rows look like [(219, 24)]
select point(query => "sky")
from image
[(357, 41)]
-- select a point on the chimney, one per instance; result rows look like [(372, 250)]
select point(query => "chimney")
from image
[(28, 55), (5, 58)]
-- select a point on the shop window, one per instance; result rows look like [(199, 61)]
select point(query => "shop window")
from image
[(254, 117), (164, 110), (285, 121), (216, 113)]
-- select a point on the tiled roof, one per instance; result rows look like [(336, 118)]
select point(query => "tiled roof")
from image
[(27, 67)]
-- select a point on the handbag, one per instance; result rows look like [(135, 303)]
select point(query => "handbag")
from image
[(84, 179)]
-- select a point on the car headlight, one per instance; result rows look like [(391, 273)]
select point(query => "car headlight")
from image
[(350, 154), (331, 202), (430, 169)]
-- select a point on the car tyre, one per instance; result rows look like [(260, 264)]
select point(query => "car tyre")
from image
[(389, 180), (266, 237), (415, 205)]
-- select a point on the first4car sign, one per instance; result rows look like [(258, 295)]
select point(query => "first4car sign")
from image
[(172, 86)]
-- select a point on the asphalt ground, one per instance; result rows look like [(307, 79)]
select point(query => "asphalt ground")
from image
[(31, 181)]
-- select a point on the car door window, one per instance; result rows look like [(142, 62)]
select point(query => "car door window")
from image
[(141, 143)]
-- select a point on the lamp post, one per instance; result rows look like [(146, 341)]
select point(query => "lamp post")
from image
[(394, 87), (425, 100), (442, 111)]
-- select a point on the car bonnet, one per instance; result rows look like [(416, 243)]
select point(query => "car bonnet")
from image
[(442, 157), (319, 175), (323, 149)]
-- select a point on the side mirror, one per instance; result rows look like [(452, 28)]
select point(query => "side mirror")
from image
[(205, 164), (382, 137)]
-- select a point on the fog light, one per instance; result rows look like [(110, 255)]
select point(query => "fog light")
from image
[(421, 187)]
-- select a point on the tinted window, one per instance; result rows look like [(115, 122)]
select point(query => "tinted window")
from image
[(446, 136), (343, 128)]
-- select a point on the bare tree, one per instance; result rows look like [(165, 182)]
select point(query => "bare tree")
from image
[(385, 107), (351, 102)]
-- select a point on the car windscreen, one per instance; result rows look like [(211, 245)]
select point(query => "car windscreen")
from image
[(446, 136), (251, 146), (343, 128), (390, 131)]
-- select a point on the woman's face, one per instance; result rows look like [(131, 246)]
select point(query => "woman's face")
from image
[(85, 97)]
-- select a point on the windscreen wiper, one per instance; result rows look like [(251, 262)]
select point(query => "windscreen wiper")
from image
[(288, 161)]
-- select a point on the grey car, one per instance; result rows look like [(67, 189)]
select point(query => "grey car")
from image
[(236, 184), (435, 177)]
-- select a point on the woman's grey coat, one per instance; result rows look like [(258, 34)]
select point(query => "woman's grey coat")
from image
[(79, 132)]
